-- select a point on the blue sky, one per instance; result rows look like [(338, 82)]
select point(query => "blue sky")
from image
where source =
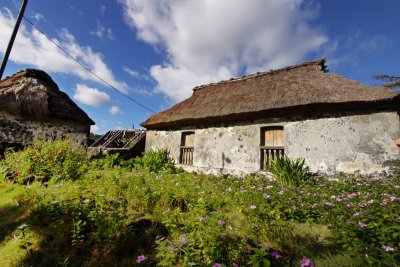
[(157, 51)]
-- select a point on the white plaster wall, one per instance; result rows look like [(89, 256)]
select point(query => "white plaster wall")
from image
[(330, 145), (346, 144), (171, 140)]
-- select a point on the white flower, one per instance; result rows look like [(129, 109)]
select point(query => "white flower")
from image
[(387, 248)]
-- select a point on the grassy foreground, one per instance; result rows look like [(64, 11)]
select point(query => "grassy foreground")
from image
[(112, 213)]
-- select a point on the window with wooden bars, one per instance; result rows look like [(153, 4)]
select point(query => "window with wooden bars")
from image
[(271, 145), (187, 148)]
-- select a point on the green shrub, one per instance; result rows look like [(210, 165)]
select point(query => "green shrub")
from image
[(290, 172), (47, 159), (109, 161), (155, 161)]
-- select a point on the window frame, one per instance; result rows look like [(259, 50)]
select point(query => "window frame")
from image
[(270, 152), (186, 152)]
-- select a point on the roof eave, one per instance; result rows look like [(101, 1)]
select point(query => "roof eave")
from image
[(312, 109)]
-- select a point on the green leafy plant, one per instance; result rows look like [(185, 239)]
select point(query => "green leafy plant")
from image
[(47, 159), (156, 161), (290, 172)]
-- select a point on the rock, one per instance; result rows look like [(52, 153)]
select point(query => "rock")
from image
[(28, 179), (41, 179)]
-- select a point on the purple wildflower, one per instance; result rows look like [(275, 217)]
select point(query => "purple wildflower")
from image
[(330, 204), (356, 214), (247, 250), (362, 225), (306, 262), (384, 202), (217, 265), (140, 258), (201, 218), (185, 241), (276, 255), (221, 222), (393, 198), (363, 204)]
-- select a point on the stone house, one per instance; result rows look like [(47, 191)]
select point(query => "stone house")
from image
[(32, 107), (240, 125)]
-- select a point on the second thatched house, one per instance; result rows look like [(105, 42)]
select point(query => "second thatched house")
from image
[(239, 126), (32, 107)]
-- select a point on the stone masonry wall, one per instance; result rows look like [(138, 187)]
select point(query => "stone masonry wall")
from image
[(364, 143), (14, 130)]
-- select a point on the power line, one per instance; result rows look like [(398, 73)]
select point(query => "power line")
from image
[(86, 68)]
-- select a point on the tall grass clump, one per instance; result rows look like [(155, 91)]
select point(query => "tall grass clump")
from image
[(47, 159), (290, 172), (156, 161)]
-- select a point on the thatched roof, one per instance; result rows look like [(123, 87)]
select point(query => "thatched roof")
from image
[(302, 89), (32, 93)]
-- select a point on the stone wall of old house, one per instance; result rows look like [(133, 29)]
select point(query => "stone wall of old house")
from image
[(14, 130), (350, 143), (365, 143)]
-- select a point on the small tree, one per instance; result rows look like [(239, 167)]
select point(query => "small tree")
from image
[(389, 80)]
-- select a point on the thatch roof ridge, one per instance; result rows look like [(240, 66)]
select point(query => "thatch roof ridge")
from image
[(302, 89), (318, 63), (33, 93)]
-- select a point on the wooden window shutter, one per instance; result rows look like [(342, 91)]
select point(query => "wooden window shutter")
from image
[(273, 136), (188, 139)]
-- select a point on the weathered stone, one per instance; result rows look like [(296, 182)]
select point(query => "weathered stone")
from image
[(41, 179), (28, 179), (343, 143)]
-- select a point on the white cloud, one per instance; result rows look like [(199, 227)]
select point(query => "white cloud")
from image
[(90, 96), (114, 110), (348, 48), (208, 40), (103, 9), (38, 17), (94, 129), (102, 32), (134, 74), (32, 48)]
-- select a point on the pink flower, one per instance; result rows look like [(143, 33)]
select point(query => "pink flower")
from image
[(387, 248), (221, 222), (356, 214), (393, 198), (201, 218), (140, 258), (330, 204), (306, 262), (362, 225), (384, 202), (363, 204), (217, 265), (276, 255), (247, 250)]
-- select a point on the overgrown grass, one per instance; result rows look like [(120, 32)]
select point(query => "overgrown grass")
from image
[(113, 214)]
